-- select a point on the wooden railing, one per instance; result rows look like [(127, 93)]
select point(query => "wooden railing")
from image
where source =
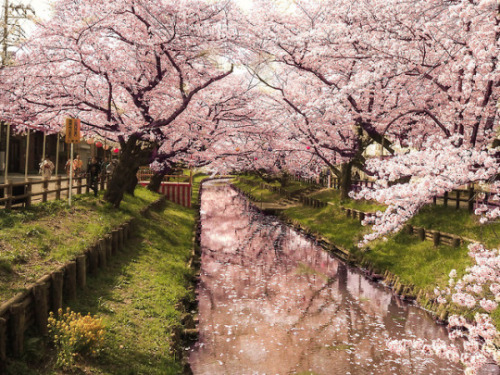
[(468, 199), (458, 198), (25, 192)]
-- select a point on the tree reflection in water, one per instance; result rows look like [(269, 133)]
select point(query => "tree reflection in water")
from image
[(272, 302)]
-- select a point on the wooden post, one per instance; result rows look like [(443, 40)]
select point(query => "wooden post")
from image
[(28, 190), (7, 144), (116, 242), (445, 198), (348, 212), (87, 184), (79, 186), (56, 290), (81, 271), (94, 259), (17, 321), (8, 195), (109, 246), (57, 154), (103, 261), (121, 242), (45, 187), (421, 234), (70, 281), (3, 344), (41, 305), (123, 228), (27, 154), (361, 216), (58, 187), (471, 199), (436, 238), (44, 144), (456, 242), (410, 228), (458, 200)]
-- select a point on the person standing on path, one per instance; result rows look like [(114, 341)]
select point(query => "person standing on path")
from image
[(104, 165), (46, 168), (94, 170), (77, 166), (110, 168)]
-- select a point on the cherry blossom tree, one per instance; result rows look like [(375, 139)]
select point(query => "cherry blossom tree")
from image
[(438, 166), (449, 50), (327, 77), (206, 133), (477, 291), (128, 69), (382, 72)]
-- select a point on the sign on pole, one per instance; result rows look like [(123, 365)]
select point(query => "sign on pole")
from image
[(72, 136), (72, 130)]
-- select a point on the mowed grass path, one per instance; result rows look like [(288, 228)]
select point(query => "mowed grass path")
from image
[(137, 297)]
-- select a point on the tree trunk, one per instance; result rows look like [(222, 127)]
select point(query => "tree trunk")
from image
[(124, 178), (345, 180), (132, 183), (155, 182), (283, 179)]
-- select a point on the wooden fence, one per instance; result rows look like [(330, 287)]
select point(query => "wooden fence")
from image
[(459, 198), (437, 237), (24, 192), (30, 309), (424, 234), (456, 197)]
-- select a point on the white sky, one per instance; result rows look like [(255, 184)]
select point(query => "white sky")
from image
[(43, 8)]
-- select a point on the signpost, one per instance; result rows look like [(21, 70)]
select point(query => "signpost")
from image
[(27, 153), (72, 136), (7, 151)]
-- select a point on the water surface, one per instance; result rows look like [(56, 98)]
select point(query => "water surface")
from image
[(273, 302)]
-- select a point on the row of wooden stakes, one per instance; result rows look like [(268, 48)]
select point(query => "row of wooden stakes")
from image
[(31, 307)]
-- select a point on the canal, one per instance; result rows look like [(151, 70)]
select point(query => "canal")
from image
[(273, 302)]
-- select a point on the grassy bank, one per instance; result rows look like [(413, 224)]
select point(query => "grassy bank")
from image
[(331, 195), (444, 219), (459, 222), (36, 240), (138, 298)]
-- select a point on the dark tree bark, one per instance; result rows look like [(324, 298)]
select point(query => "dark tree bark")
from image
[(132, 183), (345, 180), (284, 178), (155, 182), (124, 178)]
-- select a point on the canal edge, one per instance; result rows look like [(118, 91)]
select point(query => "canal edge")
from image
[(188, 333)]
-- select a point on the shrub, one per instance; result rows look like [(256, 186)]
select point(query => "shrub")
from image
[(74, 334)]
